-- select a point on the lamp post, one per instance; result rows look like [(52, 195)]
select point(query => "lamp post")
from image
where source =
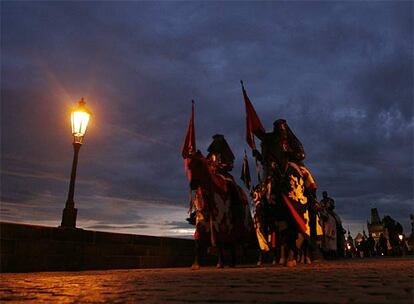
[(79, 120)]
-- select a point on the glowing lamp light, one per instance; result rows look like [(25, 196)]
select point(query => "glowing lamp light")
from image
[(79, 120), (400, 236)]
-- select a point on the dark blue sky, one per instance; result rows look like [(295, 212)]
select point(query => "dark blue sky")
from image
[(341, 73)]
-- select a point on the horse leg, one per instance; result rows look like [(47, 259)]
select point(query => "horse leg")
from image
[(260, 259), (282, 259), (306, 250), (197, 251), (300, 257), (283, 247), (291, 262), (220, 263), (275, 255), (232, 256), (274, 247), (291, 244), (300, 245)]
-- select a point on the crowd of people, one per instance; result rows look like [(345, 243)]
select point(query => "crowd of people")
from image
[(368, 246)]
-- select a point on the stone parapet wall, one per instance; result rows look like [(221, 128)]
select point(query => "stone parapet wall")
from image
[(26, 248)]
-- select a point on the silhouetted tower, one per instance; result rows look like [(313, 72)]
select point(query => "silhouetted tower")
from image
[(376, 226), (375, 218)]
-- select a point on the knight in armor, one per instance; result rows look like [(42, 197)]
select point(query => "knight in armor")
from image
[(332, 227), (327, 202), (283, 173), (278, 148), (219, 208), (220, 155), (329, 244), (221, 160)]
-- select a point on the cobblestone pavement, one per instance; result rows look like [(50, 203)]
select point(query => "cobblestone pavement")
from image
[(386, 280)]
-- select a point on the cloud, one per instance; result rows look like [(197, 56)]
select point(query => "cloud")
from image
[(343, 82), (102, 213), (117, 227)]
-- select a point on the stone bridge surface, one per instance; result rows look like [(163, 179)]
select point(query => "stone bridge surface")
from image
[(376, 280)]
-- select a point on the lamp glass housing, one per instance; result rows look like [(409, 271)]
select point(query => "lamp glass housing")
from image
[(79, 120)]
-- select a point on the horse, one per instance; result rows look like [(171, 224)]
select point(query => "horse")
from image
[(223, 218), (283, 212)]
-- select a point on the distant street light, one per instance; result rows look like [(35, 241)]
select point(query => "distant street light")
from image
[(400, 236), (79, 120)]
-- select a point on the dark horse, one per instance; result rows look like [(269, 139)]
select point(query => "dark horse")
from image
[(223, 217)]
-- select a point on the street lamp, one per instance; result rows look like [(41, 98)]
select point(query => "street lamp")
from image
[(79, 120)]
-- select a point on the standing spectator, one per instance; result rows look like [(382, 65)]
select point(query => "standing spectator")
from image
[(371, 245), (382, 242)]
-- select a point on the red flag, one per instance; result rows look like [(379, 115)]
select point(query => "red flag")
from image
[(253, 122), (189, 146)]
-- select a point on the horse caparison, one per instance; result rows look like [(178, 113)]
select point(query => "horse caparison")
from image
[(223, 218)]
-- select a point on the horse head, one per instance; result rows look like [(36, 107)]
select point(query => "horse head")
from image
[(202, 174), (198, 170)]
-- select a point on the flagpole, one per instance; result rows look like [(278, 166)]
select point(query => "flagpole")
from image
[(188, 150), (255, 157), (250, 182)]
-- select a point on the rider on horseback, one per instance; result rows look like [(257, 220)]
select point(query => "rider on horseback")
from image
[(220, 156), (281, 158), (221, 160), (222, 217)]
